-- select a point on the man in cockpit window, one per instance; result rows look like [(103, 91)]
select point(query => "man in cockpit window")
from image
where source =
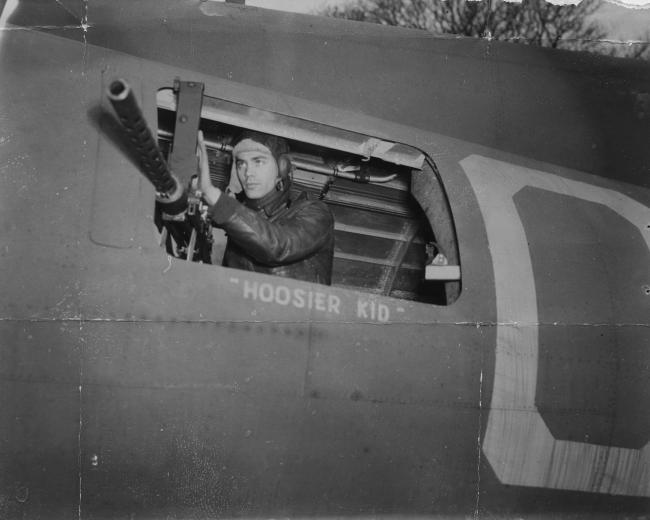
[(268, 230)]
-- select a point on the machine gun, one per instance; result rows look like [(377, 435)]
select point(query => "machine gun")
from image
[(180, 216)]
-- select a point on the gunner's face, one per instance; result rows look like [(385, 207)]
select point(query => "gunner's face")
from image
[(257, 172)]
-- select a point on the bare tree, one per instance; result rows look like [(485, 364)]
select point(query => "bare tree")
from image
[(534, 22)]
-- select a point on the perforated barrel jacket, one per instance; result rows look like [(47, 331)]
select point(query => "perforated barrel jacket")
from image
[(278, 235)]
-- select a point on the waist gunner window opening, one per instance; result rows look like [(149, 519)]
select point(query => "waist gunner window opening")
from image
[(385, 242)]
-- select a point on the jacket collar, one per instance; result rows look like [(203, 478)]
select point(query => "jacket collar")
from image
[(271, 203)]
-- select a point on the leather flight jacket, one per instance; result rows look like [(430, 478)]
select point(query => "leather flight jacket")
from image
[(278, 235)]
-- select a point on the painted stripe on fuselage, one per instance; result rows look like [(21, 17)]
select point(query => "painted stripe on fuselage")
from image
[(518, 444)]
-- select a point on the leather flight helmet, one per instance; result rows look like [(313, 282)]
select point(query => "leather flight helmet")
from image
[(278, 146)]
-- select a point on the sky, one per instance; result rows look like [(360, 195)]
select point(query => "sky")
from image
[(296, 6), (620, 24), (308, 6)]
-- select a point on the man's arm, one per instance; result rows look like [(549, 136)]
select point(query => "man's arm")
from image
[(280, 242)]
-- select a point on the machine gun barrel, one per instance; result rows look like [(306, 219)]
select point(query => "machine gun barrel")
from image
[(185, 231), (152, 163)]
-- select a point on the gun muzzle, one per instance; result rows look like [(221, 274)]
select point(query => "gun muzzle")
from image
[(152, 163)]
